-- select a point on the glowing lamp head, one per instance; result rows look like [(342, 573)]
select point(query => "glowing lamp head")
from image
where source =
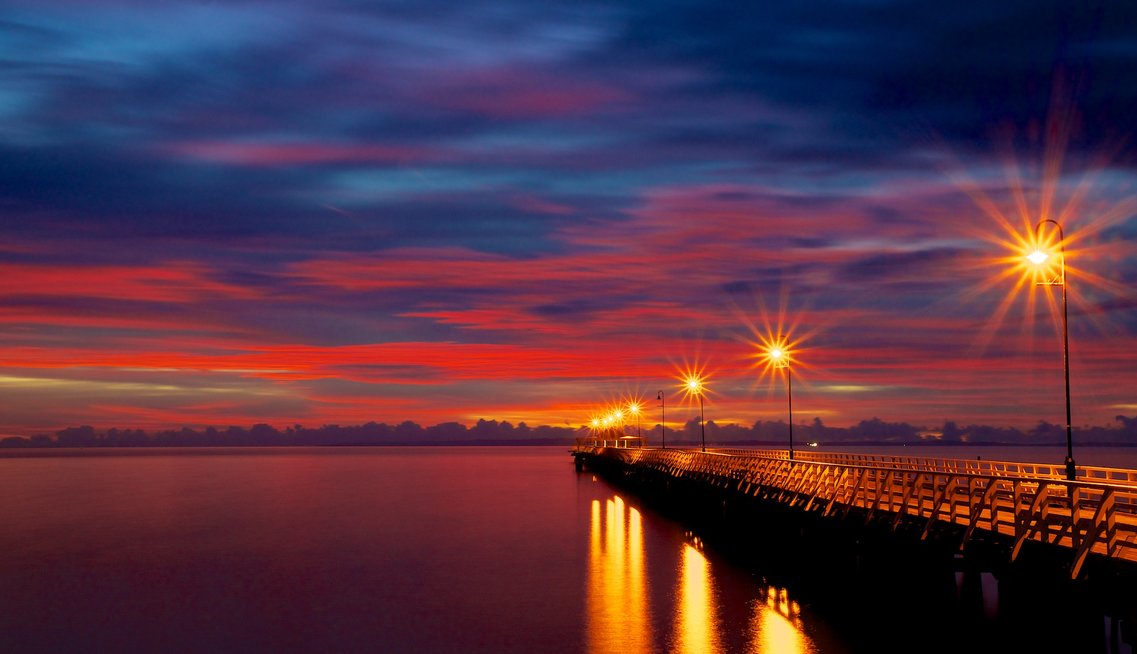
[(1037, 257), (634, 409), (693, 384), (778, 353)]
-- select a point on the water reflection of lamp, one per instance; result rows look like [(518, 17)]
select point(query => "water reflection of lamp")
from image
[(617, 612), (695, 619), (776, 625)]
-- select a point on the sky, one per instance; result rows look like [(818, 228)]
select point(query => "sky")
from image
[(301, 212)]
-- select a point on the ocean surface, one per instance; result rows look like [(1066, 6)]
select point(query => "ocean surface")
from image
[(420, 550)]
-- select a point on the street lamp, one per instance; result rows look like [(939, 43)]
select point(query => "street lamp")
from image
[(634, 409), (694, 386), (662, 418), (1039, 257), (779, 357)]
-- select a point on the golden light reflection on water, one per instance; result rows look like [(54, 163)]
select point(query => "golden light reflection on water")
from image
[(776, 627), (618, 615), (618, 612), (695, 618)]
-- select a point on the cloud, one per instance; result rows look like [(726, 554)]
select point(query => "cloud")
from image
[(433, 211)]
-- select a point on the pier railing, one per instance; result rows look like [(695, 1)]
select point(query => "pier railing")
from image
[(1086, 516), (991, 468)]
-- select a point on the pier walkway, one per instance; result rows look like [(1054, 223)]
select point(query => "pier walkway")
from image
[(1096, 515)]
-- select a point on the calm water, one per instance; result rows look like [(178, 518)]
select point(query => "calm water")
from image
[(381, 549)]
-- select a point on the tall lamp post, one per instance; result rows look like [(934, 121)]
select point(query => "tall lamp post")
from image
[(1038, 257), (634, 409), (780, 359), (695, 387), (662, 418)]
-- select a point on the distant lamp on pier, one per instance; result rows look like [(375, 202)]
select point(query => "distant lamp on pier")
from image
[(693, 385), (1046, 274), (662, 418), (778, 357), (634, 409)]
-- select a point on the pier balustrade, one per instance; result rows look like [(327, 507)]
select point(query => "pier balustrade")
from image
[(992, 468)]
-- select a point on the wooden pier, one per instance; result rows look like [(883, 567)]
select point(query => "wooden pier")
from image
[(1017, 504)]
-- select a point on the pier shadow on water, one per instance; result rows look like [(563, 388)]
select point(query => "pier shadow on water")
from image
[(749, 577)]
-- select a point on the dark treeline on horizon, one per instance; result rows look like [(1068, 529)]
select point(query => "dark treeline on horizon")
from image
[(774, 433)]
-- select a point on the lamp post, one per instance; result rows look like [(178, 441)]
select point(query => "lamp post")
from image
[(618, 421), (780, 359), (1038, 257), (695, 387), (634, 409), (662, 418)]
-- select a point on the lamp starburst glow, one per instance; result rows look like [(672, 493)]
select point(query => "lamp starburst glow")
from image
[(1029, 231), (1038, 257), (695, 386), (635, 409), (777, 355)]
